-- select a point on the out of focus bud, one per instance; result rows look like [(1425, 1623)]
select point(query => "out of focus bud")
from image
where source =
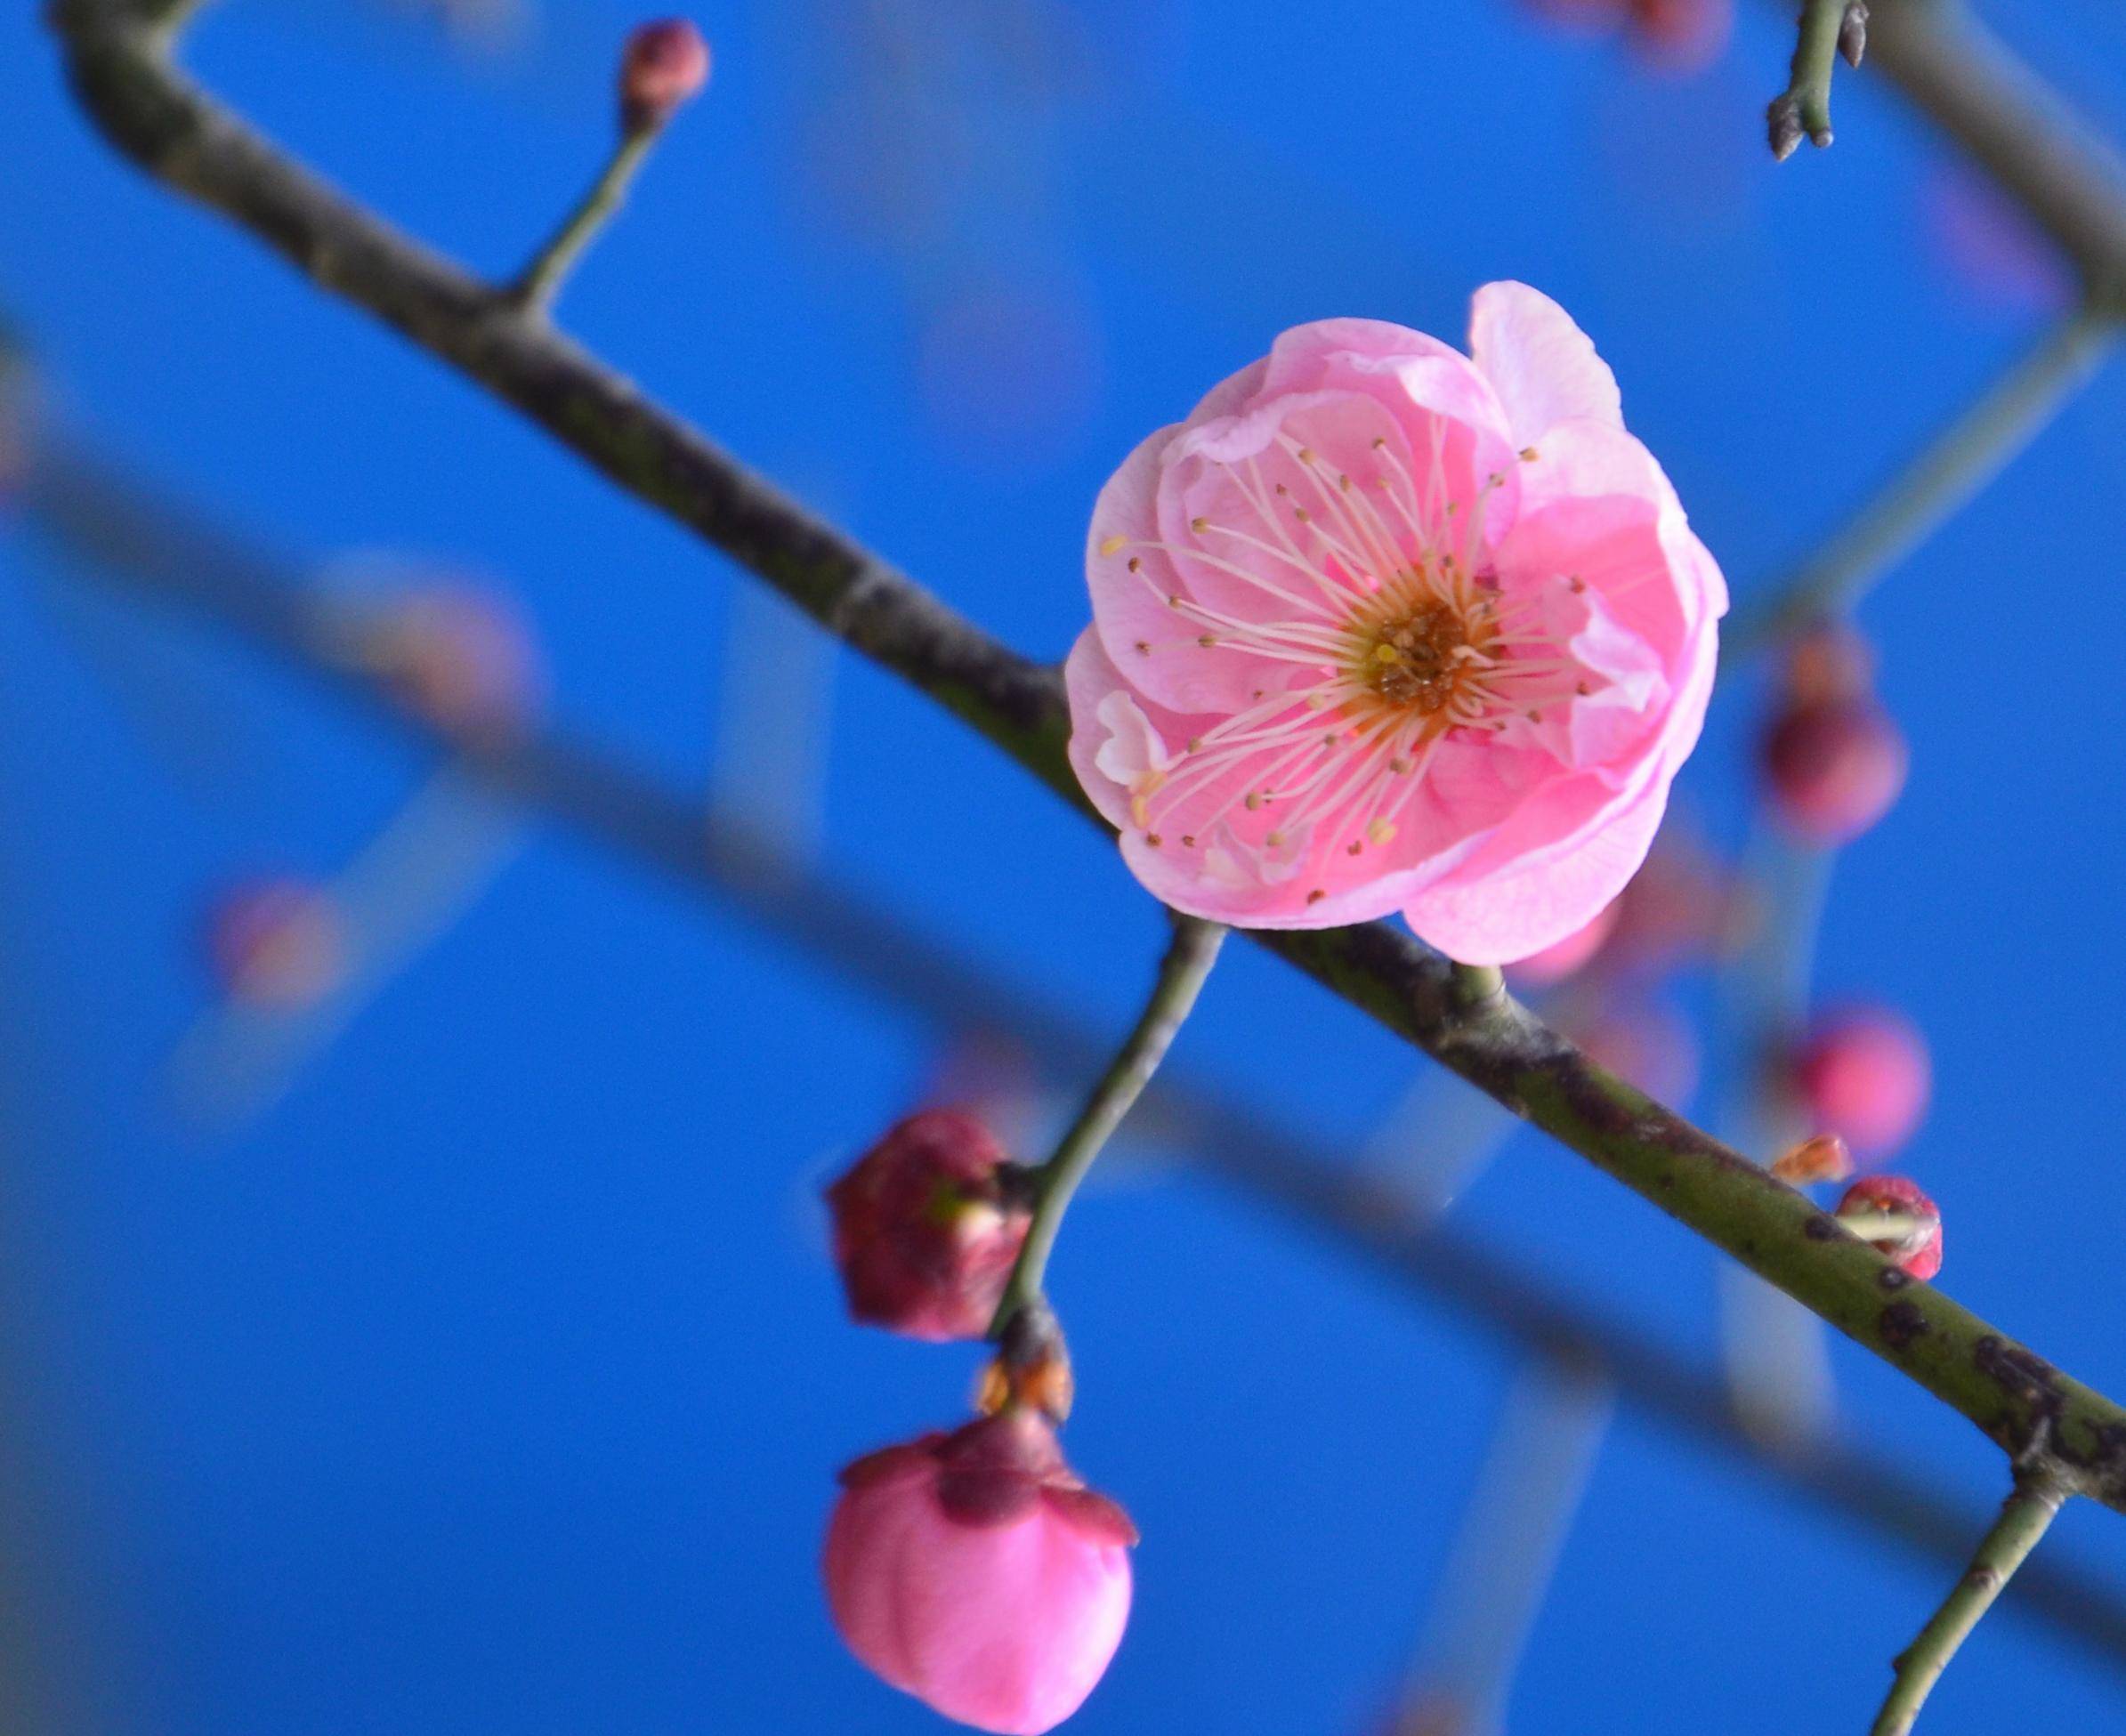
[(977, 1572), (1833, 759), (665, 64), (1862, 1073), (275, 942), (462, 657), (1897, 1220), (1564, 958), (1648, 1044), (924, 1232), (1819, 1158), (1682, 908), (1680, 37)]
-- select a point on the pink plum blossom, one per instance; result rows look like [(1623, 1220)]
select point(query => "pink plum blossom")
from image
[(977, 1572), (1382, 626)]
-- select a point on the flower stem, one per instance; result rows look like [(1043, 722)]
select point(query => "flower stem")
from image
[(1193, 951), (540, 281), (2028, 1513)]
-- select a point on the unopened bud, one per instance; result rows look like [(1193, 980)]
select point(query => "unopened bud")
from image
[(1680, 37), (1853, 33), (1819, 1158), (1783, 126), (925, 1231), (665, 64), (1864, 1073), (460, 655), (1898, 1221), (976, 1572), (1833, 759), (275, 942)]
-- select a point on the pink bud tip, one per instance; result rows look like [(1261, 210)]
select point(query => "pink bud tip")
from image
[(1863, 1074), (275, 942), (924, 1235), (1834, 760), (664, 65), (465, 658), (1918, 1249), (975, 1571)]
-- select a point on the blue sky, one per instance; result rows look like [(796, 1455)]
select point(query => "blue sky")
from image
[(491, 1377)]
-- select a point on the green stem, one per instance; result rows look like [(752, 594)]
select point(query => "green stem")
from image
[(1969, 454), (540, 281), (2027, 1516), (1181, 973), (1479, 986), (1804, 109)]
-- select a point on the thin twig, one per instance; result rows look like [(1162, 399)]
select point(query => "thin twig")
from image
[(540, 281), (111, 528), (2025, 1518), (1188, 961), (1803, 109), (125, 78), (1968, 454)]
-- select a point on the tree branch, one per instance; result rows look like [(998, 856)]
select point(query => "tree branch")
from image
[(2025, 1518), (108, 523), (123, 74)]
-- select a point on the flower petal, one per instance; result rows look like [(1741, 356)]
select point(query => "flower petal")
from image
[(1543, 367)]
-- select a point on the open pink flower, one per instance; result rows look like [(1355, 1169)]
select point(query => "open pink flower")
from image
[(1381, 627), (977, 1572)]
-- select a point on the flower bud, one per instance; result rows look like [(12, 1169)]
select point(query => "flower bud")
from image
[(924, 1234), (665, 64), (1863, 1074), (1833, 759), (1897, 1220), (1680, 37), (1819, 1158), (461, 656), (975, 1571), (276, 942)]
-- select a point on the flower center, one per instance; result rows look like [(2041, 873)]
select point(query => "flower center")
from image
[(1415, 660)]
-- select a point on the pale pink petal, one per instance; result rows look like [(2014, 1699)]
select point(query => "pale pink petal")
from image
[(1543, 367)]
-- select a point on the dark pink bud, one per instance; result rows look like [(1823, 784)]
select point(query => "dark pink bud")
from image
[(464, 657), (664, 65), (1681, 35), (977, 1572), (275, 942), (923, 1233), (1834, 768), (1898, 1221), (1862, 1073)]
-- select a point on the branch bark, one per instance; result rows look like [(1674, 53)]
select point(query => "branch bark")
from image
[(123, 73)]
